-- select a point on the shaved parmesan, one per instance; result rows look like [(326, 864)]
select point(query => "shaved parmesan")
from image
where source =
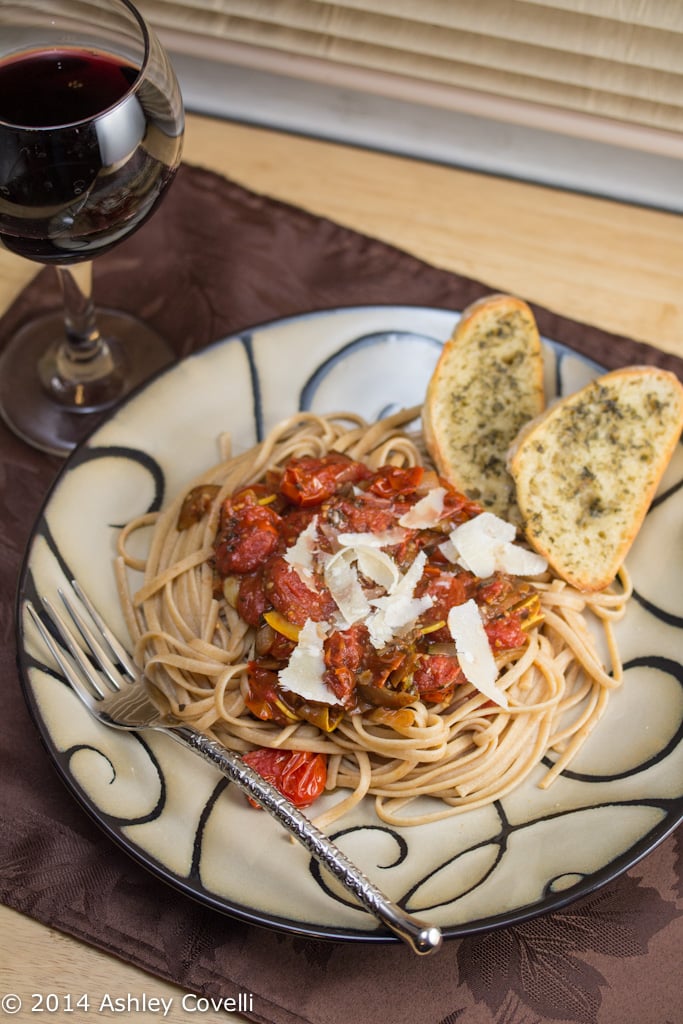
[(343, 582), (484, 545), (474, 651), (519, 561), (304, 673), (301, 554), (427, 512), (344, 585), (399, 608), (378, 566), (385, 539)]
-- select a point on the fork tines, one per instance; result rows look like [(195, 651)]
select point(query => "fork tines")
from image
[(95, 660)]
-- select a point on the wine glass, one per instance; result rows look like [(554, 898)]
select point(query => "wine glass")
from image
[(91, 132)]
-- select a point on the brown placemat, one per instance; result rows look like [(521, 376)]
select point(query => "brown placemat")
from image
[(215, 260)]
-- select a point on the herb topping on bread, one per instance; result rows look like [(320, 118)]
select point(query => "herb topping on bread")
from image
[(587, 470), (486, 385)]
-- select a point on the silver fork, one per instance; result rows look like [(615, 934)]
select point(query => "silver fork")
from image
[(113, 690)]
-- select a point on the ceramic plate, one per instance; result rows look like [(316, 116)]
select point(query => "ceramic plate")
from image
[(531, 852)]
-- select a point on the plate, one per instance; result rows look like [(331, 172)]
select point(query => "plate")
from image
[(532, 852)]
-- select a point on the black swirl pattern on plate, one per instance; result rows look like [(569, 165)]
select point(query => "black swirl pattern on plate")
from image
[(82, 456)]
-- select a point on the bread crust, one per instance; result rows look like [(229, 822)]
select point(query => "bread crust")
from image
[(487, 383), (587, 469)]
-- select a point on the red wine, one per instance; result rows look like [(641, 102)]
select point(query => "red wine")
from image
[(45, 89), (84, 156)]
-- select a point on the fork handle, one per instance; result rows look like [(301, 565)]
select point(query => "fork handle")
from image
[(422, 937)]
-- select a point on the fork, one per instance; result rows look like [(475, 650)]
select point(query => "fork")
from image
[(112, 687)]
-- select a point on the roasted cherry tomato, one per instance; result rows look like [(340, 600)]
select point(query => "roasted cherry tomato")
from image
[(365, 513), (247, 536), (289, 595), (343, 653), (436, 677), (390, 481), (295, 522), (446, 589), (494, 591), (251, 599), (458, 507), (506, 634), (298, 774), (309, 481)]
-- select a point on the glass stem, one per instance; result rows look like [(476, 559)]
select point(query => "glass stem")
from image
[(85, 352), (83, 370), (79, 310)]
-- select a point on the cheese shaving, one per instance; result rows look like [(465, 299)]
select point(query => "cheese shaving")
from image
[(304, 672), (341, 579), (301, 554), (386, 539), (427, 512), (399, 608), (474, 651), (484, 545), (378, 566)]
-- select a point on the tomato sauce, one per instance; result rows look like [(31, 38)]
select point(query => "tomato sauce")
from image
[(257, 527)]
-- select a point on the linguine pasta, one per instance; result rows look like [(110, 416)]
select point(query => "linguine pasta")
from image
[(461, 754)]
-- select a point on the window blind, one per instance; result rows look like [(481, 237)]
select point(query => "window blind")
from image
[(590, 65)]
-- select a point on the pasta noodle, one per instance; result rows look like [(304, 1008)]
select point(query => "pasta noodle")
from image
[(460, 754)]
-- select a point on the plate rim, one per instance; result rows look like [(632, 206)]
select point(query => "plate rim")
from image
[(550, 903)]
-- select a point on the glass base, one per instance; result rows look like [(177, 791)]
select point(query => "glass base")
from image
[(49, 424)]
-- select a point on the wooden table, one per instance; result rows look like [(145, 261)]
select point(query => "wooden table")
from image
[(601, 262)]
